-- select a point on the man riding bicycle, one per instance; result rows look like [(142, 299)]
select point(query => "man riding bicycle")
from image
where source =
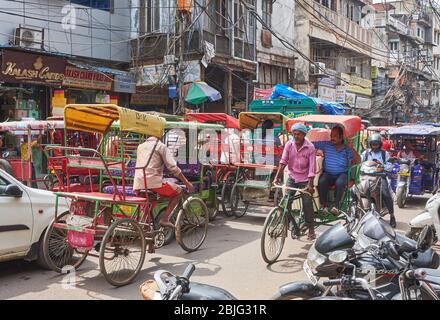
[(300, 158), (157, 155)]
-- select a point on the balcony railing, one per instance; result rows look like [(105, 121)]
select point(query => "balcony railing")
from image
[(382, 21), (332, 19)]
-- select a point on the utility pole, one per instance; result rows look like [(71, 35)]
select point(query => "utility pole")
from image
[(181, 25)]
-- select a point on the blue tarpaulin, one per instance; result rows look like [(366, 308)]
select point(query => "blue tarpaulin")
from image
[(286, 92)]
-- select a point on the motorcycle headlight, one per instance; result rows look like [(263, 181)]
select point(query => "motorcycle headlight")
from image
[(338, 256), (314, 258), (404, 170)]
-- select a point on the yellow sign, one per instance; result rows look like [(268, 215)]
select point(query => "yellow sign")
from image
[(133, 121), (358, 85), (374, 72)]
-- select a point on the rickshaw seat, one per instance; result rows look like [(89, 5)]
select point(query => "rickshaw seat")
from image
[(104, 197)]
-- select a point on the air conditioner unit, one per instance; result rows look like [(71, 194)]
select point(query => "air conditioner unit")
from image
[(28, 37), (318, 68)]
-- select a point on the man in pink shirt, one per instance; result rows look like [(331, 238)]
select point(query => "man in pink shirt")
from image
[(300, 158)]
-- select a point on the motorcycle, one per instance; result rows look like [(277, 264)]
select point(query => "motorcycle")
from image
[(355, 236), (167, 286), (369, 187), (400, 177), (409, 283), (430, 216)]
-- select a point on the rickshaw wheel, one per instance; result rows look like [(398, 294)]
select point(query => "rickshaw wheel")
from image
[(168, 232), (238, 206), (122, 252), (192, 224), (58, 254), (225, 198), (273, 235)]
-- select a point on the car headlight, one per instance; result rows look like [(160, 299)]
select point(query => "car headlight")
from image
[(314, 258)]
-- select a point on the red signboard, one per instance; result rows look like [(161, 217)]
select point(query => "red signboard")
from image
[(262, 94)]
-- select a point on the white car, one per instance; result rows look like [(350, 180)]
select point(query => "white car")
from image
[(25, 214)]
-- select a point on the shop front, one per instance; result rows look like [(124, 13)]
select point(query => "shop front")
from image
[(27, 82), (90, 85)]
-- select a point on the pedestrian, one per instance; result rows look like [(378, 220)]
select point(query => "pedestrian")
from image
[(338, 159), (300, 157)]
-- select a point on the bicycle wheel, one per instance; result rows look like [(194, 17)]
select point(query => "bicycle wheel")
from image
[(58, 254), (273, 236), (122, 252), (192, 224), (239, 207), (225, 199)]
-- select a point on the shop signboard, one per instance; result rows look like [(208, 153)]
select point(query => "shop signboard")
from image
[(350, 99), (363, 103), (262, 94), (125, 83), (148, 99), (340, 94), (357, 84), (326, 93), (86, 79), (22, 67)]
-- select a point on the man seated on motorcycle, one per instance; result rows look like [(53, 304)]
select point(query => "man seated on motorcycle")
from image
[(338, 158), (375, 153)]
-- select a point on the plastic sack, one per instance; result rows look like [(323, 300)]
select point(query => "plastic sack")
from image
[(283, 91), (331, 108)]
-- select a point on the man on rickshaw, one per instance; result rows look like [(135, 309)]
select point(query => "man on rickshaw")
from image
[(157, 155), (409, 152), (300, 158), (338, 158), (377, 154)]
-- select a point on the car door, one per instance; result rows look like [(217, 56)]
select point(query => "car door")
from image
[(16, 220)]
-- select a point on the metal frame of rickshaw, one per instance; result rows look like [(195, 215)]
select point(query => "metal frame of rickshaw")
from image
[(400, 134), (321, 126), (224, 173), (205, 174), (108, 217), (246, 173), (27, 129)]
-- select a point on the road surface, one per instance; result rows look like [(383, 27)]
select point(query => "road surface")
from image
[(229, 258)]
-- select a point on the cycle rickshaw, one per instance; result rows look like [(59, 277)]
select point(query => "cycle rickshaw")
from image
[(259, 157), (114, 224), (282, 218), (18, 140), (228, 143)]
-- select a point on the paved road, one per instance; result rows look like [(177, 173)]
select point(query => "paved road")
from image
[(230, 258)]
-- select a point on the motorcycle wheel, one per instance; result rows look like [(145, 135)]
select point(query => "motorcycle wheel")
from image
[(401, 197)]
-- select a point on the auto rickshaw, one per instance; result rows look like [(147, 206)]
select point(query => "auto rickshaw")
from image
[(415, 176)]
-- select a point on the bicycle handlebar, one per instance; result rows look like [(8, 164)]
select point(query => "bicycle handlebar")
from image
[(304, 191)]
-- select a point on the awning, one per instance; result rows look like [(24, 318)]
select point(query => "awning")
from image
[(100, 69)]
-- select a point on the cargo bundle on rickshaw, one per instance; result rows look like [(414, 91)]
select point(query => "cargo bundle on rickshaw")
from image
[(260, 151), (114, 223), (21, 148)]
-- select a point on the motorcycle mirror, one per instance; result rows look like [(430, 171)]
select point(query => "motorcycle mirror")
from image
[(407, 247), (392, 251), (426, 239), (338, 256)]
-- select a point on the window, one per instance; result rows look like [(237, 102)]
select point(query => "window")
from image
[(239, 19), (221, 16), (267, 12), (107, 5), (394, 46), (152, 16)]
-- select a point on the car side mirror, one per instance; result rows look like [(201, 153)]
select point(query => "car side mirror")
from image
[(13, 190)]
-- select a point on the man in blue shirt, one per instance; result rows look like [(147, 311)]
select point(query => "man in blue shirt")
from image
[(375, 153), (338, 158)]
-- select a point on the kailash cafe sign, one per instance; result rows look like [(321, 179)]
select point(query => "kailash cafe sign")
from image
[(19, 67)]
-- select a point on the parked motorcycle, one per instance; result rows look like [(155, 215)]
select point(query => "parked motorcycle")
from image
[(355, 237), (430, 216), (167, 286)]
